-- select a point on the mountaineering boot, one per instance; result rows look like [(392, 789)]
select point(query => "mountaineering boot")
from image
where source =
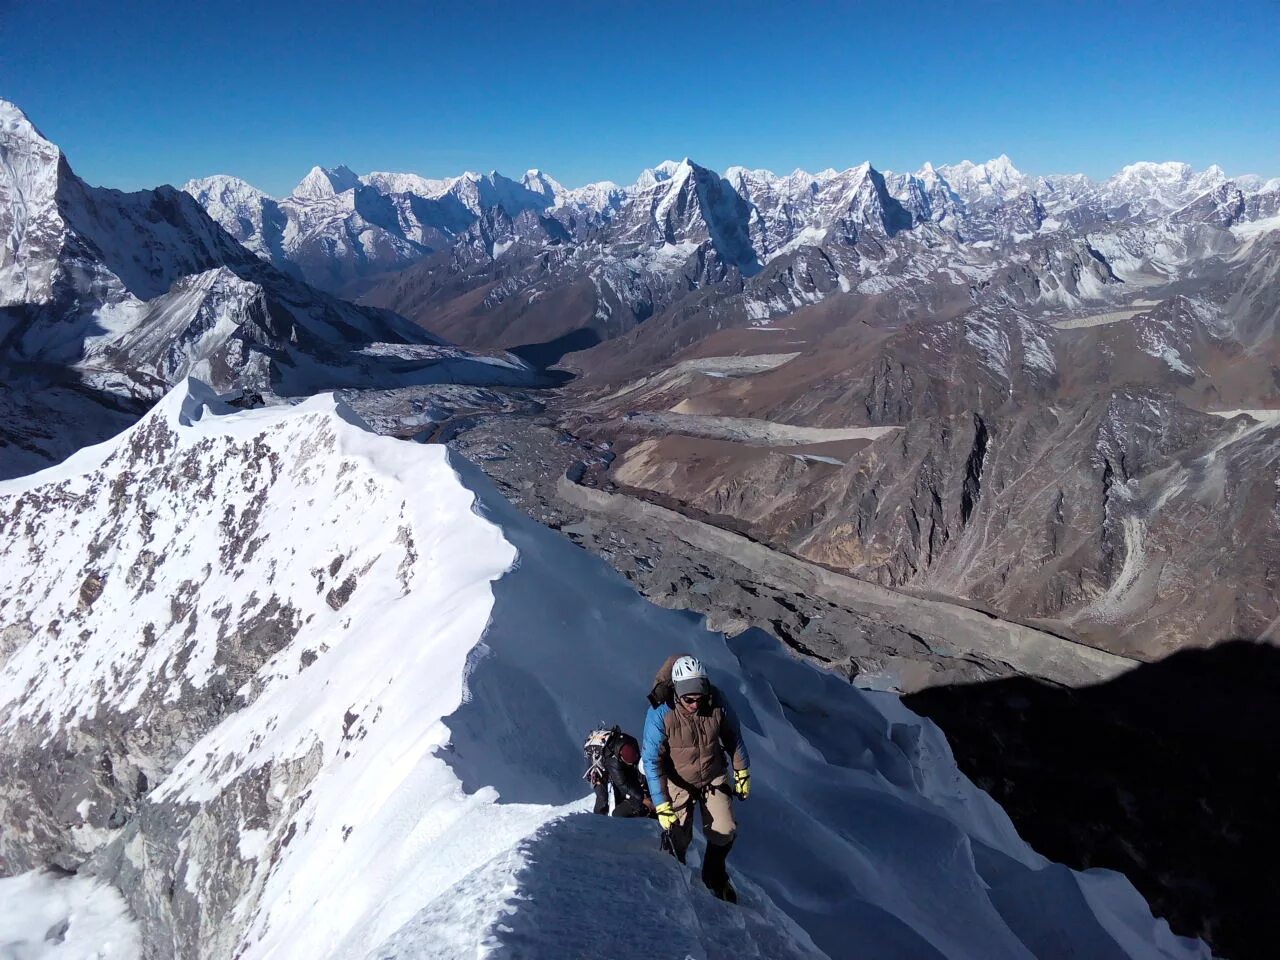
[(714, 873)]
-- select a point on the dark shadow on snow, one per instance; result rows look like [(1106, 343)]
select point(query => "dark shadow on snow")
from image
[(1169, 774), (48, 413)]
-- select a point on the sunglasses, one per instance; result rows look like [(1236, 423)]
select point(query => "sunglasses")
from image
[(692, 698)]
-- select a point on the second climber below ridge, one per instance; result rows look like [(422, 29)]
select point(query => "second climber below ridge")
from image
[(688, 731)]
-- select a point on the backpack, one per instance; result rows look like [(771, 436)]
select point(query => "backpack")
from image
[(593, 751)]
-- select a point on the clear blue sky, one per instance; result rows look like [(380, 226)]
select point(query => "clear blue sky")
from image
[(140, 93)]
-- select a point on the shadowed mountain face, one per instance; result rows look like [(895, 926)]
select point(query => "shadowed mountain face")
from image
[(1167, 773)]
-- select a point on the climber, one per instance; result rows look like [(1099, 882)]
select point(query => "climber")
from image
[(687, 732), (613, 760)]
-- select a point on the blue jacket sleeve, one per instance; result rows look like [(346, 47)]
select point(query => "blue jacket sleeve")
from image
[(731, 737), (655, 738)]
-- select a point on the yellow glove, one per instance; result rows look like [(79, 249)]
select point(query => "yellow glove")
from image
[(666, 815), (742, 783)]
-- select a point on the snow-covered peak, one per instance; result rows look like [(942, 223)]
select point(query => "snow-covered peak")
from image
[(604, 197), (429, 187), (654, 175), (322, 183), (1149, 171), (481, 192), (1160, 186), (996, 179), (1170, 174), (754, 183), (670, 188), (857, 200), (28, 164), (1002, 169), (14, 124), (857, 173), (223, 190), (536, 181), (684, 169), (1150, 179), (737, 174), (31, 226)]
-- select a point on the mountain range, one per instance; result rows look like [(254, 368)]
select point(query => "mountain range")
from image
[(1094, 337), (1047, 400), (340, 229)]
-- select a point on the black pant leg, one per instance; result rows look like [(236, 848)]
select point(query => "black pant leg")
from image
[(630, 808), (714, 873)]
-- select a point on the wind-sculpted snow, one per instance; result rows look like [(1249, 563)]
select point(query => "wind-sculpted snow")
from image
[(300, 690)]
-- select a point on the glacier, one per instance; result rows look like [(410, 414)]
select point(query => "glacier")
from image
[(298, 690)]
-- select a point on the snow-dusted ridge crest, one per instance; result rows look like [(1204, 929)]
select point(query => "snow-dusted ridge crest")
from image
[(319, 693)]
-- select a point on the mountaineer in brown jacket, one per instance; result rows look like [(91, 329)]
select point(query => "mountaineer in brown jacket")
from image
[(687, 732)]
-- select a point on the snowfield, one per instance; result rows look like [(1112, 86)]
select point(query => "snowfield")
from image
[(392, 765), (43, 917)]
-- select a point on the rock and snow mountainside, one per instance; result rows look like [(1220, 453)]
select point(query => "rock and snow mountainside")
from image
[(299, 690), (108, 298)]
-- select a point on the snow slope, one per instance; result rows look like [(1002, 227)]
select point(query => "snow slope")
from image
[(43, 917), (393, 768)]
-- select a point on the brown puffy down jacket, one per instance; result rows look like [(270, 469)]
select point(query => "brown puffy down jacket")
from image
[(693, 748)]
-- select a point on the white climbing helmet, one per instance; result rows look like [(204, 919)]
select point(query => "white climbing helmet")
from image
[(689, 676)]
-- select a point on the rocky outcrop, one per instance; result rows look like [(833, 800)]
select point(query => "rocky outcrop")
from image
[(152, 597)]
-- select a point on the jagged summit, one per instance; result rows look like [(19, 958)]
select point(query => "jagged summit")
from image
[(408, 183), (538, 182), (1160, 186), (223, 186), (657, 174), (997, 179), (14, 123), (322, 183), (31, 169)]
